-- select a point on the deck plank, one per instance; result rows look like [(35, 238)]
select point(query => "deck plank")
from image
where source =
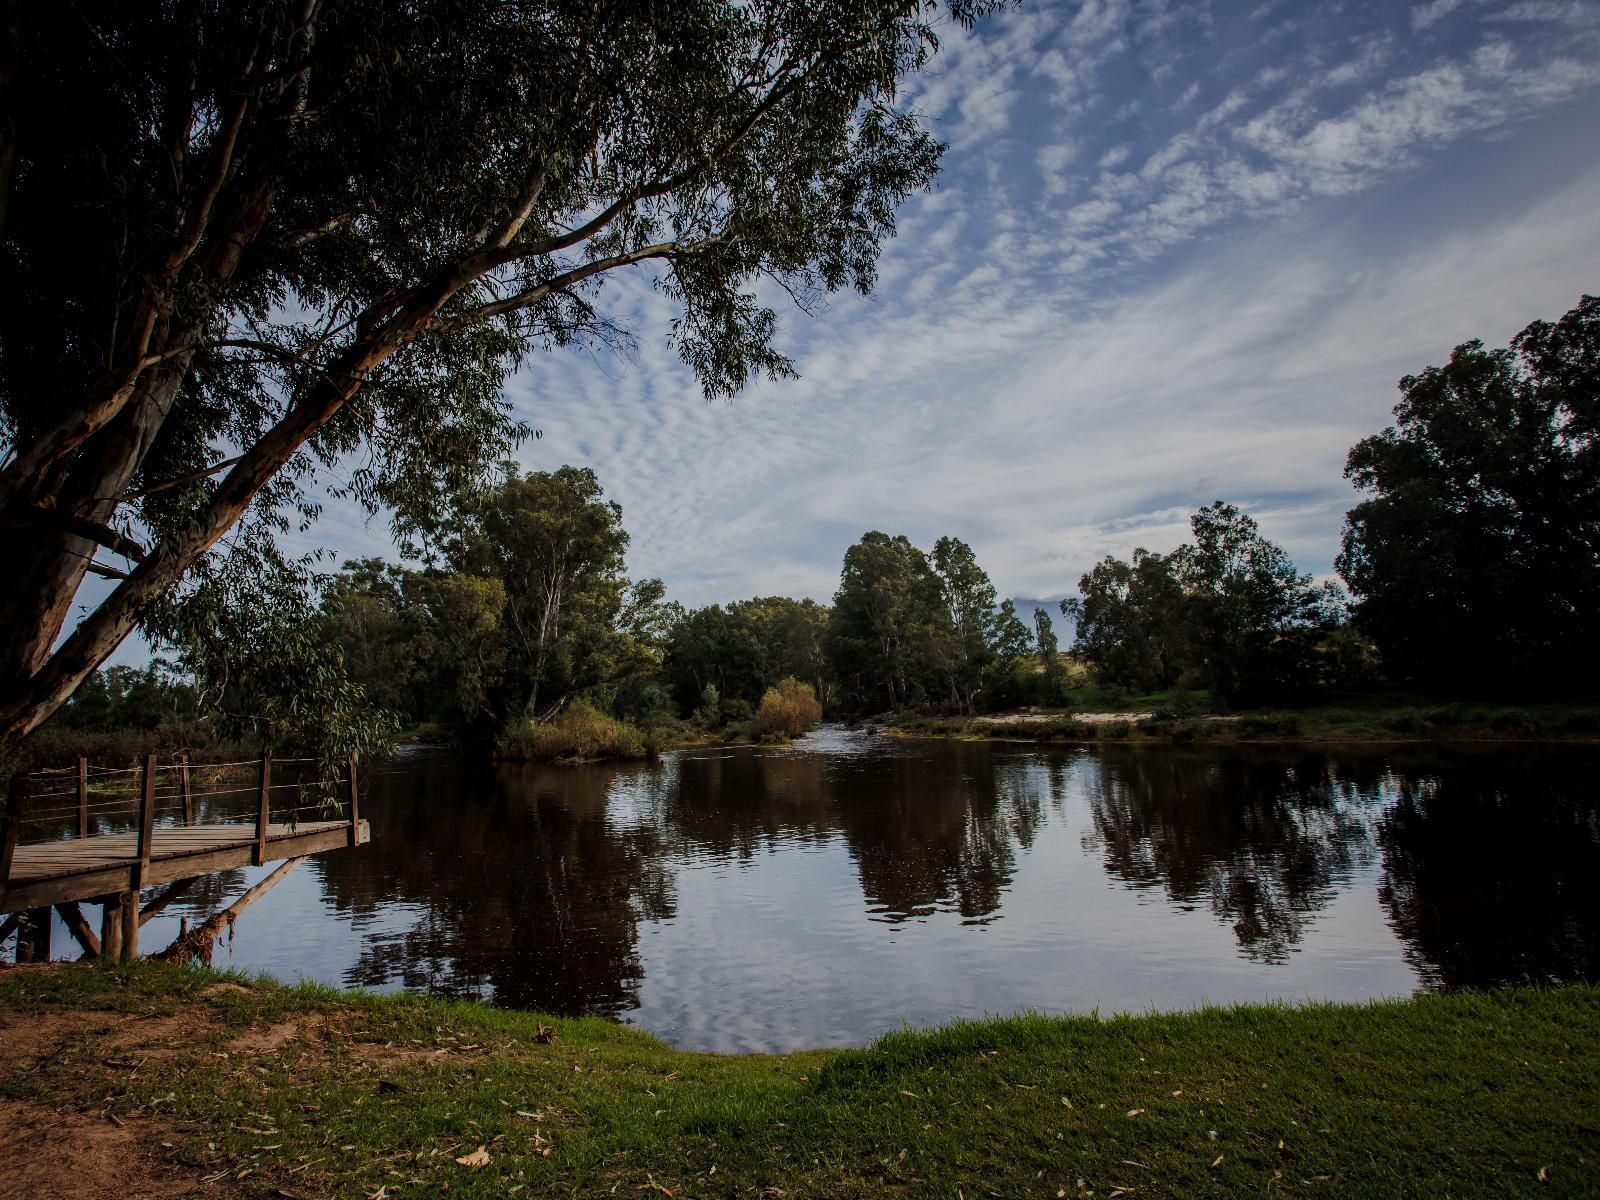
[(83, 868)]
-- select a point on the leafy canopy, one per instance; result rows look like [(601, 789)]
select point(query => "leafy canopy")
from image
[(1476, 556), (243, 243)]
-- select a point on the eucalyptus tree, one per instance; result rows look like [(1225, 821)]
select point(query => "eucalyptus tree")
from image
[(888, 616), (970, 602), (243, 241), (1481, 523)]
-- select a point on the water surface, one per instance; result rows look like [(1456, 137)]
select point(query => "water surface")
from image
[(819, 894)]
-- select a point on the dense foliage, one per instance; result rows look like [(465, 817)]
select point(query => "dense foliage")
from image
[(1228, 612), (1476, 558)]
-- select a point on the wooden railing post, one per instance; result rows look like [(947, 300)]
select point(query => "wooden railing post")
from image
[(83, 797), (263, 811), (147, 814), (355, 801), (8, 836), (188, 793)]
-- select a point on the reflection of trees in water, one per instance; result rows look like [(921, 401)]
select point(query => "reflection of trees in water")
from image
[(1492, 870), (926, 830), (1261, 840), (530, 890), (927, 839)]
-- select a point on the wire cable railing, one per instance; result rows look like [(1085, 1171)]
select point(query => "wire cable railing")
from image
[(107, 800)]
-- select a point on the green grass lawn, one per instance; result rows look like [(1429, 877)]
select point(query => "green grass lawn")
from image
[(1375, 718), (305, 1092)]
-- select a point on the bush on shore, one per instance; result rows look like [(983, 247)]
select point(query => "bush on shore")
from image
[(581, 732), (787, 710)]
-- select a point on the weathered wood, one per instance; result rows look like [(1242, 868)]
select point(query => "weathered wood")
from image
[(186, 790), (147, 816), (130, 925), (83, 797), (78, 925), (198, 942), (163, 899), (355, 801), (33, 941), (8, 835), (263, 811), (58, 881), (111, 927)]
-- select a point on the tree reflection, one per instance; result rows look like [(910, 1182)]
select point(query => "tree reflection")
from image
[(530, 892), (1261, 840), (928, 829), (1492, 871), (945, 836)]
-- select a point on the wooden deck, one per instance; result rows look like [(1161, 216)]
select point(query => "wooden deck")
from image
[(59, 872)]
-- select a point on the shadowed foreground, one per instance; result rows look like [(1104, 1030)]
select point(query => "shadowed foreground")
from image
[(153, 1080)]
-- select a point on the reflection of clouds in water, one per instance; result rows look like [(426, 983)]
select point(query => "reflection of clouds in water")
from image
[(757, 898)]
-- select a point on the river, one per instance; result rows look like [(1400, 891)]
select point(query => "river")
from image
[(822, 893)]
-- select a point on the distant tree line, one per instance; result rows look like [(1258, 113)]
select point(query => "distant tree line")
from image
[(1473, 561)]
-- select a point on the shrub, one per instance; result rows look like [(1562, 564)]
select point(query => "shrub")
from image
[(1269, 725), (582, 732), (787, 710)]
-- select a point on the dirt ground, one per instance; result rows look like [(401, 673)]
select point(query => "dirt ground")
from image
[(84, 1155)]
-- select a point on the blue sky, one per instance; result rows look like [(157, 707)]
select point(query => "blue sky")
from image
[(1178, 252)]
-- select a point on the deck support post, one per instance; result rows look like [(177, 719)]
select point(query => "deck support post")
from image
[(263, 810), (83, 797), (147, 814), (185, 790), (130, 926), (111, 928), (33, 939), (77, 925), (355, 801)]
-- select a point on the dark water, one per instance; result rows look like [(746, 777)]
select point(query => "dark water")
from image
[(821, 894)]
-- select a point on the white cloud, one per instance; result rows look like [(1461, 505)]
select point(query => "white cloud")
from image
[(1425, 15)]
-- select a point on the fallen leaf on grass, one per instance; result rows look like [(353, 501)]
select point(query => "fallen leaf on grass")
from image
[(1067, 1102), (1544, 1174), (478, 1158), (1135, 1112), (1217, 1162), (913, 1095), (545, 1036)]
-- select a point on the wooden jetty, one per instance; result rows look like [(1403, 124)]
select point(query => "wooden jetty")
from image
[(56, 853)]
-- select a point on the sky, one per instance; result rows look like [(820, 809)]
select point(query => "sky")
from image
[(1177, 252)]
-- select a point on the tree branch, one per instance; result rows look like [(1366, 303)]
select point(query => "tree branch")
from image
[(533, 295)]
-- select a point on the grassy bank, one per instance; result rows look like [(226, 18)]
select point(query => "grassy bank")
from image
[(1358, 720), (303, 1092)]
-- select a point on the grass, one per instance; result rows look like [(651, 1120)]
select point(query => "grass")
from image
[(1463, 1095), (1377, 718)]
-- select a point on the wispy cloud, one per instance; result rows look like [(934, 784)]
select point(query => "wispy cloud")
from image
[(1172, 258)]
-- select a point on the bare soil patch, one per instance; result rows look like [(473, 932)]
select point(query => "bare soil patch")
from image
[(85, 1156)]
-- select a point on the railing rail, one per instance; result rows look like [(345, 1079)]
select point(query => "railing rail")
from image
[(81, 796)]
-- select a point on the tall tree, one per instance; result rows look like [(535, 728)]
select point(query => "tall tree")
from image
[(240, 241), (556, 546), (1482, 526), (1247, 602), (969, 602), (1132, 621), (887, 616), (1049, 654)]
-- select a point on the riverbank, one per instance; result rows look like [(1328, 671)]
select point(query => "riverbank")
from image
[(178, 1082), (1355, 722)]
